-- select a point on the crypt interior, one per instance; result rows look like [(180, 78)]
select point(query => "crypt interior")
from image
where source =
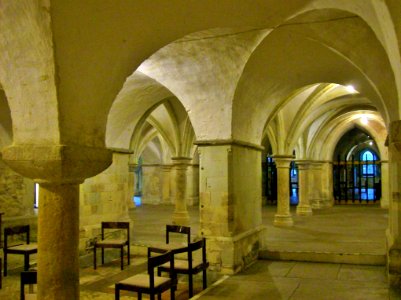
[(251, 121)]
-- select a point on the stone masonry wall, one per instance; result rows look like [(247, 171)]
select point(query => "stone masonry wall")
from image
[(16, 199), (105, 197)]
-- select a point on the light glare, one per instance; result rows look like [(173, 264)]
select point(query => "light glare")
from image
[(364, 120), (350, 89)]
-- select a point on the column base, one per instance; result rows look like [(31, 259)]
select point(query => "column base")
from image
[(304, 210), (320, 203), (181, 218), (283, 220)]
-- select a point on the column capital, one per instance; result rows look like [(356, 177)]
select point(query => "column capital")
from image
[(283, 161), (178, 160), (303, 164), (57, 163)]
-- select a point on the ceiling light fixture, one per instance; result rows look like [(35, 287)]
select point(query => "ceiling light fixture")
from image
[(364, 120), (351, 89)]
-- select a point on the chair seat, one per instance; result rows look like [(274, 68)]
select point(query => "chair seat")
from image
[(111, 243), (142, 280), (24, 247), (180, 264)]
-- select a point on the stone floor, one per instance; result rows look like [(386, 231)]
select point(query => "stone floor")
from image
[(343, 230)]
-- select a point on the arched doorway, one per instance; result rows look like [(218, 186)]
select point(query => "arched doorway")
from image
[(356, 169)]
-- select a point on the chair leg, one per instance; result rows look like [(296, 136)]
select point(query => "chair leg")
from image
[(122, 257), (204, 279), (191, 286), (102, 256), (117, 293), (139, 296), (159, 296), (26, 262), (128, 255), (94, 257), (5, 263), (22, 292), (172, 292), (152, 296)]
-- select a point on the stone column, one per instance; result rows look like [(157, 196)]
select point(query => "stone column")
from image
[(385, 186), (193, 185), (58, 240), (394, 231), (131, 181), (303, 208), (316, 185), (166, 170), (327, 183), (230, 183), (283, 216), (180, 215), (59, 169)]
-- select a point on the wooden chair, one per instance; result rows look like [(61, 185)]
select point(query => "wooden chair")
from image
[(149, 283), (190, 266), (113, 243), (28, 277), (178, 229), (25, 249)]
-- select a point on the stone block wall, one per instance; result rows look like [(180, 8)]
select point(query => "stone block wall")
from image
[(17, 200), (105, 197)]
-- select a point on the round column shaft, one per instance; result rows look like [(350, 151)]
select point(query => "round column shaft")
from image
[(303, 208), (58, 235), (181, 216), (283, 216)]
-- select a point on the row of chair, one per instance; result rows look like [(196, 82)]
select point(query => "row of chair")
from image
[(167, 261), (150, 284)]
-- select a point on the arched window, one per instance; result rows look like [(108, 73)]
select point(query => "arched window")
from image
[(368, 167)]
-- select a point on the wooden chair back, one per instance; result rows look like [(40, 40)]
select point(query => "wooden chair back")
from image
[(115, 225), (189, 266), (156, 261), (178, 229), (16, 230)]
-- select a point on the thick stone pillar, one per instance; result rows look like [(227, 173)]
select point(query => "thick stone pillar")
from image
[(318, 176), (166, 171), (180, 215), (131, 181), (394, 231), (283, 216), (193, 185), (230, 203), (151, 188), (59, 169), (303, 208), (385, 184), (58, 240), (327, 183), (106, 196)]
